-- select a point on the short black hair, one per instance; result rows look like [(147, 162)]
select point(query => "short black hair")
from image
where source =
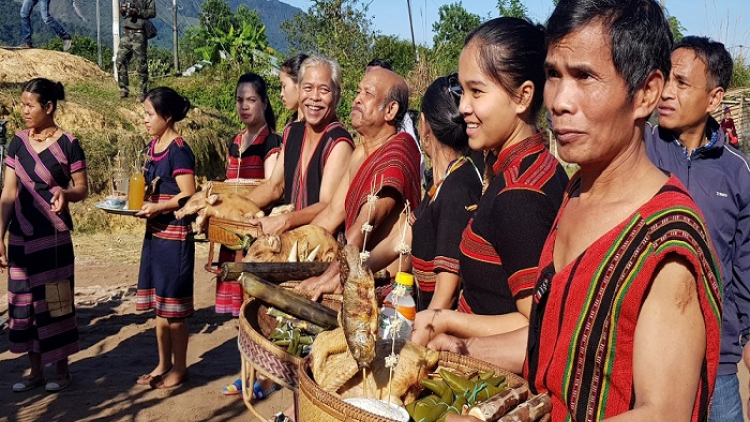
[(47, 91), (440, 110), (512, 51), (261, 88), (168, 103), (292, 64), (385, 64), (718, 61), (640, 35)]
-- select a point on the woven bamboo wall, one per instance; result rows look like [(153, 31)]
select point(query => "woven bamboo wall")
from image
[(738, 101)]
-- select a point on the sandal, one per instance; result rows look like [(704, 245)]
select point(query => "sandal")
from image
[(233, 389), (59, 383), (147, 379), (27, 383), (259, 393), (158, 383), (281, 417)]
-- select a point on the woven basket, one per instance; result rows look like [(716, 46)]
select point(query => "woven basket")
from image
[(317, 405), (260, 354), (241, 187), (226, 231)]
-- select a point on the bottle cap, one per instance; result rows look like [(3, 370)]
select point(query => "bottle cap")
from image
[(404, 278)]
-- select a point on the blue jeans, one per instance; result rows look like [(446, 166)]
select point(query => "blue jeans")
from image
[(727, 404), (27, 7)]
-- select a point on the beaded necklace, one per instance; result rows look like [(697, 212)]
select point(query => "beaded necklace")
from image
[(40, 137), (435, 189)]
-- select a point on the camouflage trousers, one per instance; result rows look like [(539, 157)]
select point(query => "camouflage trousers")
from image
[(132, 43)]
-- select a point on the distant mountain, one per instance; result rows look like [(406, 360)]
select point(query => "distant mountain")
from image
[(272, 13)]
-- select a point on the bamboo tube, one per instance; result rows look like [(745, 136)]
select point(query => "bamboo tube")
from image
[(274, 271), (288, 302), (529, 411), (498, 405)]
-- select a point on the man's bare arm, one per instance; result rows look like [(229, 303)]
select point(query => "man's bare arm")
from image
[(670, 326), (272, 188), (386, 204), (334, 213)]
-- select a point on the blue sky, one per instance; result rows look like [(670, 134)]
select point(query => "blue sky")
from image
[(725, 20)]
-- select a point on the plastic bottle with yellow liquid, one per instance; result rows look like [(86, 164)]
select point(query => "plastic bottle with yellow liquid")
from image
[(405, 309), (136, 190)]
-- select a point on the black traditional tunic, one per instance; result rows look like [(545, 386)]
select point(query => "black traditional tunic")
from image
[(40, 251), (165, 280), (300, 189), (501, 245), (437, 226)]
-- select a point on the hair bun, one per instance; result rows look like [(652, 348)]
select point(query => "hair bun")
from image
[(59, 91), (187, 106)]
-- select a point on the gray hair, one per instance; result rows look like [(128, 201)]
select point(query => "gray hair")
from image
[(332, 65)]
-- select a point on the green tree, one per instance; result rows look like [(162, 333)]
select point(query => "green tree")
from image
[(513, 8), (677, 29), (740, 73), (244, 15), (340, 29), (216, 15), (226, 36), (453, 25), (397, 51), (238, 46), (86, 48)]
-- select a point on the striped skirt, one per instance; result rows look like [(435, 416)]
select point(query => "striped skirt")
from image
[(37, 264), (165, 280)]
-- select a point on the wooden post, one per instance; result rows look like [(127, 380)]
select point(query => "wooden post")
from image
[(98, 36), (115, 34), (174, 36), (411, 26)]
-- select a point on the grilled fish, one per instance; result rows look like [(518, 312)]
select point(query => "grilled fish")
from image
[(359, 312)]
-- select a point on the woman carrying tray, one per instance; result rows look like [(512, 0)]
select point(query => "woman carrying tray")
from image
[(165, 280), (46, 170)]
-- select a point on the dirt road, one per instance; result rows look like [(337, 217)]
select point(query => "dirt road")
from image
[(119, 344)]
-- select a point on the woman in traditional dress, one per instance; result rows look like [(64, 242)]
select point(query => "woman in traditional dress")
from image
[(251, 155), (253, 152), (165, 281), (45, 170), (442, 215), (288, 76), (501, 74)]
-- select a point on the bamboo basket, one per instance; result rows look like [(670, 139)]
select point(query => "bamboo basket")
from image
[(241, 187), (260, 355), (317, 405), (225, 232)]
